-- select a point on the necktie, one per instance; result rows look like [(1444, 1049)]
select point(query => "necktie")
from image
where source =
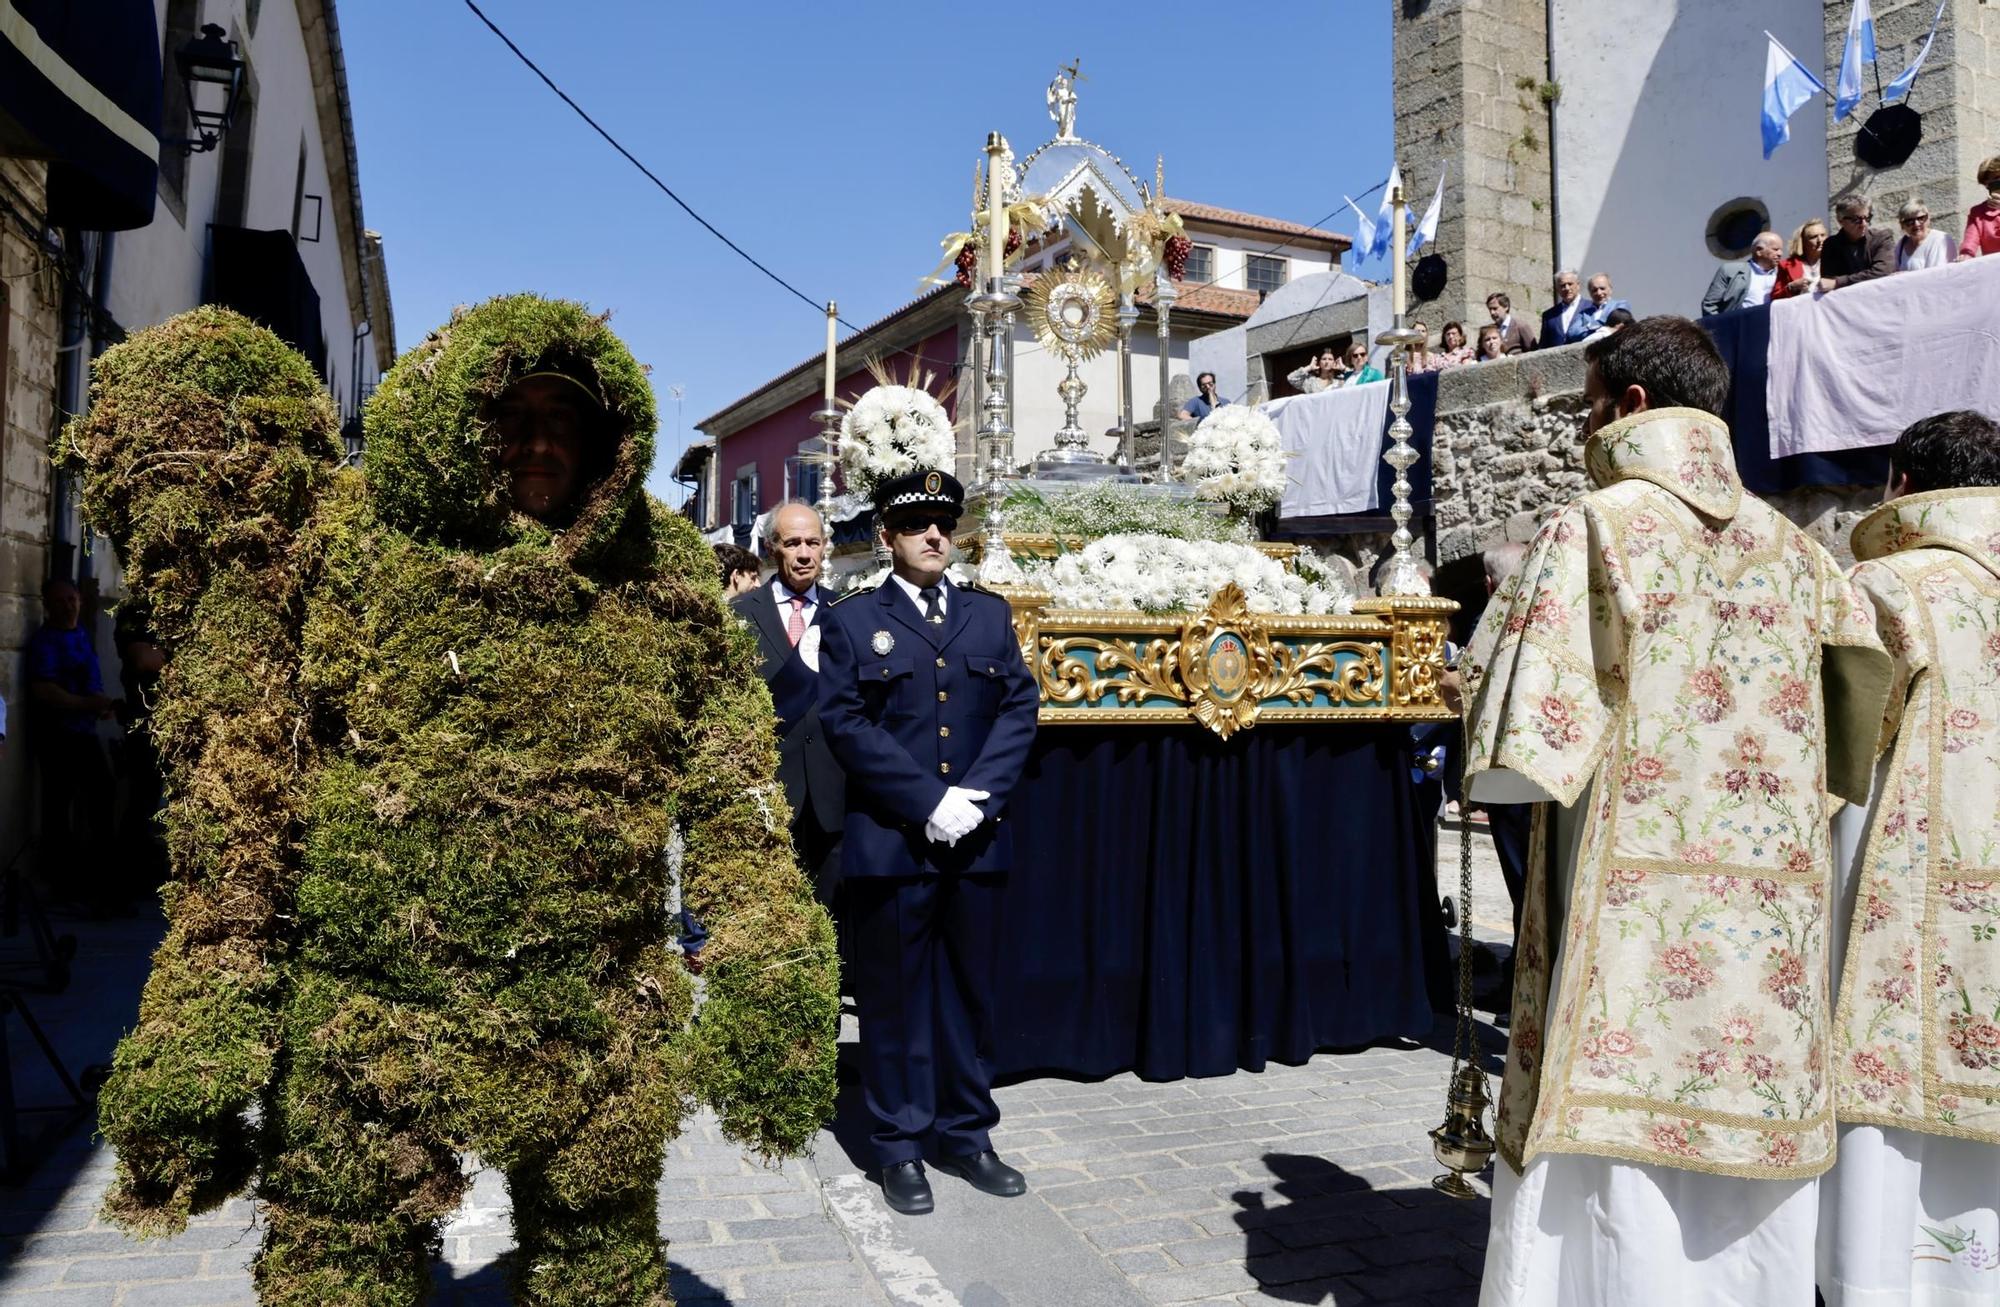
[(933, 609), (795, 629)]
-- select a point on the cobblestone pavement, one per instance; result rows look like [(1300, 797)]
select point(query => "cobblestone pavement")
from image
[(1304, 1184)]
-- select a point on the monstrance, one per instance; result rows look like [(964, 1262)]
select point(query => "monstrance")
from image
[(1074, 312)]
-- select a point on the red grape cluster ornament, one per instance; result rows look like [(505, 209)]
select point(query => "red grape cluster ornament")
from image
[(1175, 255)]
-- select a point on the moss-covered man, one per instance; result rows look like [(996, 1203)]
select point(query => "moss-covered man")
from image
[(427, 729)]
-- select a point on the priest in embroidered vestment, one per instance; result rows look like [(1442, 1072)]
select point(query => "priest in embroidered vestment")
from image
[(1911, 1215), (1684, 674)]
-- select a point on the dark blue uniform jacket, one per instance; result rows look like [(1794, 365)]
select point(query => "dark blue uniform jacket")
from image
[(946, 705)]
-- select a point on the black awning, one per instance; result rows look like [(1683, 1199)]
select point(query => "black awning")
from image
[(260, 275), (80, 87)]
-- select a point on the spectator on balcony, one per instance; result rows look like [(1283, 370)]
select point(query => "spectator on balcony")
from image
[(1560, 318), (1419, 358), (1749, 283), (1982, 224), (1857, 252), (1453, 351), (1321, 372), (1206, 402), (1515, 337), (1798, 273), (740, 569), (1598, 306), (1359, 371), (1492, 345), (1922, 246)]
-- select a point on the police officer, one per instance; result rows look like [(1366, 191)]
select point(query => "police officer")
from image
[(929, 708)]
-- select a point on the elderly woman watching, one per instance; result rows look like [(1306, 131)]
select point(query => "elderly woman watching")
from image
[(1922, 246)]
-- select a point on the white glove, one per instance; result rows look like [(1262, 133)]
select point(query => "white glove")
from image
[(956, 816)]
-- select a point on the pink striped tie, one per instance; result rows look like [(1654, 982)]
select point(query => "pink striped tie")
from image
[(796, 628)]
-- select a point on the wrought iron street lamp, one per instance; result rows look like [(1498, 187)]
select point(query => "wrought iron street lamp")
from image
[(209, 70)]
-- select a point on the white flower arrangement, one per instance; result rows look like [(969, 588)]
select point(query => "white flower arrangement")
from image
[(1233, 458), (1159, 574), (893, 430)]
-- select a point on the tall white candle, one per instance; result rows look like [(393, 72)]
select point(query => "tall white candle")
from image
[(832, 318), (996, 206), (1402, 221)]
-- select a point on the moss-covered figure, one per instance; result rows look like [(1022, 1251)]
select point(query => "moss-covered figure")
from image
[(424, 754)]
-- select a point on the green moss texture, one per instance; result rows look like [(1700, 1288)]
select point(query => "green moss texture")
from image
[(425, 757)]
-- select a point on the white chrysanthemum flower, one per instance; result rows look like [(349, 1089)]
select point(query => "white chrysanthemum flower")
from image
[(892, 431)]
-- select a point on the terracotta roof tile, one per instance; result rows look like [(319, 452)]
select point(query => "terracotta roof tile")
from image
[(1196, 212), (1221, 300)]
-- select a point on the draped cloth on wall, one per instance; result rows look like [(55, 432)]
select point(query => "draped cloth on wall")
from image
[(1185, 906)]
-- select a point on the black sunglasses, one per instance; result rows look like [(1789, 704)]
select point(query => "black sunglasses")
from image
[(917, 524)]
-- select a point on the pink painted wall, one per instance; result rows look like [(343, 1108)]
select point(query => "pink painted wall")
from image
[(770, 442)]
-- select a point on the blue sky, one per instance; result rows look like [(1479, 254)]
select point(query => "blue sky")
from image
[(836, 143)]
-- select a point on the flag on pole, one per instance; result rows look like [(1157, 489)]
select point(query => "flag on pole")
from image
[(1860, 49), (1787, 85), (1427, 230), (1364, 230), (1899, 88), (1385, 217)]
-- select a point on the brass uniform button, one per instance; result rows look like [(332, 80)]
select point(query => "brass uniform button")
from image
[(942, 663), (944, 732), (942, 696), (945, 767)]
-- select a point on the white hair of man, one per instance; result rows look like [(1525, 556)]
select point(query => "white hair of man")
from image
[(1501, 560), (1566, 272), (777, 510)]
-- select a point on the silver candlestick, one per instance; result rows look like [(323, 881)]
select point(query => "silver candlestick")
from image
[(828, 458), (1403, 578), (993, 310), (1165, 293)]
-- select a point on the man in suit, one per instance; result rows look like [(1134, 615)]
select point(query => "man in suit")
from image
[(1516, 336), (786, 613), (1747, 284), (1561, 317), (1857, 252), (929, 707), (1597, 306)]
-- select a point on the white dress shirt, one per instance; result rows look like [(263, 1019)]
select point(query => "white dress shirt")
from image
[(916, 595), (784, 595), (1761, 285), (1569, 314)]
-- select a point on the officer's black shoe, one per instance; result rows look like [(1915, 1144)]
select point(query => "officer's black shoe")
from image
[(905, 1189), (986, 1173)]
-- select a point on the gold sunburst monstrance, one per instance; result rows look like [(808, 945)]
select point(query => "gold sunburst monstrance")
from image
[(1074, 312)]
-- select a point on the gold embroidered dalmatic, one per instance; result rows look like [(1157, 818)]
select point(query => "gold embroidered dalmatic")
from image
[(1676, 649), (1918, 1029)]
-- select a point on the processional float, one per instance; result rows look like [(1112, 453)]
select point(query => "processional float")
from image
[(1110, 640)]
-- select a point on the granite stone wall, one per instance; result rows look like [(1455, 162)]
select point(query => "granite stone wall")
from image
[(1508, 449)]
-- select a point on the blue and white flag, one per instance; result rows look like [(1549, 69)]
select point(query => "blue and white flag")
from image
[(1899, 88), (1364, 231), (1385, 217), (1787, 85), (1860, 49), (1427, 230)]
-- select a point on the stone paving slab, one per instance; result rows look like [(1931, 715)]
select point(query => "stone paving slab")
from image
[(1304, 1184)]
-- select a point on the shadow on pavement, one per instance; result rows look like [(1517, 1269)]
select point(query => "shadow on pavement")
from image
[(488, 1286), (1324, 1235)]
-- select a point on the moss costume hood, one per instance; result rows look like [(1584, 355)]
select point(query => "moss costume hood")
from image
[(433, 456)]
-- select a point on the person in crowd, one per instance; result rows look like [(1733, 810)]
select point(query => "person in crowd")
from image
[(1356, 369), (930, 710), (1492, 345), (1597, 308), (1206, 401), (1798, 271), (786, 615), (1918, 1182), (66, 689), (1560, 318), (1922, 245), (1616, 320), (740, 570), (1516, 337), (1747, 284), (1320, 372), (1982, 222), (1857, 252), (1680, 676), (1420, 358), (1453, 349)]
